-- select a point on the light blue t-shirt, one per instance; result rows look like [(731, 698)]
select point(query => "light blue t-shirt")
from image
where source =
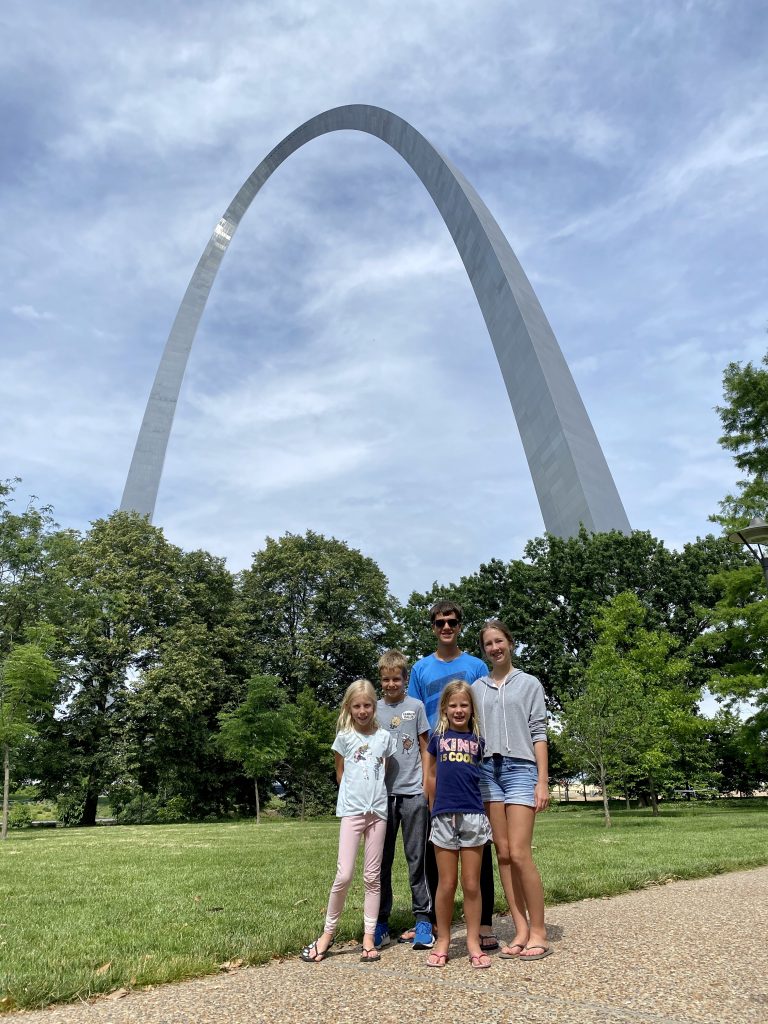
[(430, 676), (362, 789)]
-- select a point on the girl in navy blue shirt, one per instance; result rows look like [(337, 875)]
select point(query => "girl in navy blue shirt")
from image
[(460, 828)]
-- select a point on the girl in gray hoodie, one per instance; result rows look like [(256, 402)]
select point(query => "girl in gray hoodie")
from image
[(514, 781)]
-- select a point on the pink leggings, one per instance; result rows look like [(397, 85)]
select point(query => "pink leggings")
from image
[(353, 829)]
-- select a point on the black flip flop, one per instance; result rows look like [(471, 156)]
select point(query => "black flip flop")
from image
[(319, 955)]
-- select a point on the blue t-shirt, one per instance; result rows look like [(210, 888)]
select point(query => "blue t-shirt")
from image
[(457, 787), (362, 789), (429, 677)]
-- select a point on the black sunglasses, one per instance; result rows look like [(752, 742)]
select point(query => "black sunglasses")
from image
[(442, 623)]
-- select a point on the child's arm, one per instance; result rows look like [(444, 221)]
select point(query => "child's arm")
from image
[(429, 778), (339, 766), (423, 740), (541, 790)]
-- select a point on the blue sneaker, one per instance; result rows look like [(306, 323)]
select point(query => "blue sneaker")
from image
[(423, 938), (381, 936)]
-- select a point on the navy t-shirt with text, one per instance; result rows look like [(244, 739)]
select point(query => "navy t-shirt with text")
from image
[(457, 788)]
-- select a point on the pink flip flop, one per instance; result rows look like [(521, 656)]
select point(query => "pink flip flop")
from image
[(476, 961)]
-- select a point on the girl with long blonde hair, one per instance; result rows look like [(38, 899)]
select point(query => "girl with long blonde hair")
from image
[(460, 829), (361, 749)]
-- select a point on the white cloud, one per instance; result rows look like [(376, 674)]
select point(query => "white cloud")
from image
[(30, 313)]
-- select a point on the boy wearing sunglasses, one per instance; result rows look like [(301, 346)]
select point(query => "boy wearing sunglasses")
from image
[(429, 676)]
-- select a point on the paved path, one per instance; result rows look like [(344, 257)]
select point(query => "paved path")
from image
[(684, 952)]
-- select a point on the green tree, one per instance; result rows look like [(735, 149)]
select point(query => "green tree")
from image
[(123, 591), (506, 590), (309, 767), (256, 733), (597, 732), (27, 678), (316, 612), (744, 418), (562, 769), (737, 640), (172, 708), (633, 704), (740, 750), (29, 595), (551, 598), (24, 538)]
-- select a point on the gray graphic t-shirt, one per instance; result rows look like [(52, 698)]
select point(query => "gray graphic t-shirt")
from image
[(405, 721)]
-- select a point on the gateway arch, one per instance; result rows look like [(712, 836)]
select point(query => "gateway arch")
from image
[(571, 476)]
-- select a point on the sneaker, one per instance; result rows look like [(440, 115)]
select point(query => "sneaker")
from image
[(381, 936), (423, 937)]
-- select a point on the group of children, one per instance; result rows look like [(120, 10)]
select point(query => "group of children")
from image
[(457, 761)]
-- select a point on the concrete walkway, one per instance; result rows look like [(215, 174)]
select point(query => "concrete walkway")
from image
[(684, 952)]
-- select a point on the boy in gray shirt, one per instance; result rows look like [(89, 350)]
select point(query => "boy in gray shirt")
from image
[(406, 720)]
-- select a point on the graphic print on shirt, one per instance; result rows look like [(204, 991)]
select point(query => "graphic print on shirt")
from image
[(396, 721), (363, 754), (455, 749)]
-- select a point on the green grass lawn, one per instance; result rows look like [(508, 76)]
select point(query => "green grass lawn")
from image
[(86, 911)]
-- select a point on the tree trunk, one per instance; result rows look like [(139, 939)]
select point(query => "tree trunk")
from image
[(258, 806), (626, 797), (584, 786), (604, 787), (654, 798), (6, 787), (90, 805)]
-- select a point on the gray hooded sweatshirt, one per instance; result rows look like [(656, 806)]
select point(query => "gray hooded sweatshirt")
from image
[(512, 716)]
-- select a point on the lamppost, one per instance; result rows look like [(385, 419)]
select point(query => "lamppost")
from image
[(756, 533)]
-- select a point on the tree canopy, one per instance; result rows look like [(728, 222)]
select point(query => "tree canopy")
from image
[(177, 688), (736, 641), (315, 613)]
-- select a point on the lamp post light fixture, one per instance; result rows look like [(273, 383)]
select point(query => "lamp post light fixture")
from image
[(754, 534)]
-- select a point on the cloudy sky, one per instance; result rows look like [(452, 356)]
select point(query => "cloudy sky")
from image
[(342, 379)]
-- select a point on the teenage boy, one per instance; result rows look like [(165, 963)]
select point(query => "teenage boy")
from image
[(408, 808), (429, 676)]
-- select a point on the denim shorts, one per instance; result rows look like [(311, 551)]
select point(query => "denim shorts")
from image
[(508, 780), (455, 831)]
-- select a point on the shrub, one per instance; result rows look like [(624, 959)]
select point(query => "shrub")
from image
[(69, 809), (319, 802), (19, 816), (152, 810), (173, 812)]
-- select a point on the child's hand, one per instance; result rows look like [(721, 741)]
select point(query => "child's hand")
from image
[(541, 796)]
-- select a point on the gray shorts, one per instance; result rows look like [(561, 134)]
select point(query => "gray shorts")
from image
[(453, 831)]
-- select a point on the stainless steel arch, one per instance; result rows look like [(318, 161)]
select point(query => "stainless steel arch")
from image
[(572, 479)]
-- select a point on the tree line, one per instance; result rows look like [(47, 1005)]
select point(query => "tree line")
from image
[(133, 669)]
